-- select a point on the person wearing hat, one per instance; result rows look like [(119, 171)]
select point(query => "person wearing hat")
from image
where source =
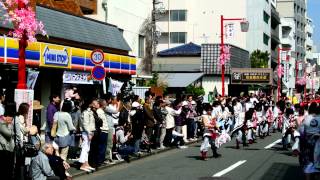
[(37, 107)]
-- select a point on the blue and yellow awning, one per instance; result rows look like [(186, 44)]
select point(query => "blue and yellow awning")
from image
[(39, 54)]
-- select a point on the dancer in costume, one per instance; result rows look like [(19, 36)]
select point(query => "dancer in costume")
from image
[(210, 134)]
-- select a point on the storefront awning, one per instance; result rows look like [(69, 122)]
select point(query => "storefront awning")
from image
[(179, 79)]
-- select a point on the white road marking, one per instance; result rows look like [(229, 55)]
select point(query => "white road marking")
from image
[(230, 168), (272, 144)]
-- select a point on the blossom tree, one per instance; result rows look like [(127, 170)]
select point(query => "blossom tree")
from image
[(25, 28), (23, 19)]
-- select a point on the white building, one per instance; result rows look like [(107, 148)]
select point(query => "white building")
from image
[(130, 16), (293, 36), (309, 40), (199, 22)]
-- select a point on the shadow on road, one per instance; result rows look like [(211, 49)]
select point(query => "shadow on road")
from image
[(252, 149), (194, 157), (283, 171)]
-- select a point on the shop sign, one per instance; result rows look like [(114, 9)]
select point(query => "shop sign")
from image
[(250, 76), (25, 96), (255, 77), (55, 56), (71, 77)]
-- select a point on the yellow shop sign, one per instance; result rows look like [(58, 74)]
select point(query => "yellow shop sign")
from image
[(55, 56)]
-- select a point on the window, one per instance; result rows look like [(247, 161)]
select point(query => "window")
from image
[(178, 37), (266, 17), (178, 15), (164, 38), (266, 39), (141, 46)]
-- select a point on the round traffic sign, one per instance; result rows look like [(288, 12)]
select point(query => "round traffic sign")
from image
[(98, 73), (97, 56)]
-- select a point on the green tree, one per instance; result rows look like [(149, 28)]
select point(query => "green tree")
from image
[(196, 91), (154, 81), (259, 59)]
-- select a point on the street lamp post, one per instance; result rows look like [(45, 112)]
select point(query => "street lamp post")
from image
[(222, 19), (279, 78), (22, 55)]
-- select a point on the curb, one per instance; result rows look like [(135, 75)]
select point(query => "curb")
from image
[(154, 152)]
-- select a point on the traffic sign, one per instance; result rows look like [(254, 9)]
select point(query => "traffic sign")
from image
[(98, 73), (97, 56)]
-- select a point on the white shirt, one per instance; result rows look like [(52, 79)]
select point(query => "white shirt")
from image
[(248, 105), (103, 117), (170, 117), (1, 110), (254, 99)]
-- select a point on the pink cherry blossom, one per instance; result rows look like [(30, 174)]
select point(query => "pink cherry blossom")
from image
[(280, 71), (302, 81), (225, 56), (24, 20)]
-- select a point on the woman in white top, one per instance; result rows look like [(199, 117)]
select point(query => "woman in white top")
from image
[(169, 122), (62, 122), (87, 128)]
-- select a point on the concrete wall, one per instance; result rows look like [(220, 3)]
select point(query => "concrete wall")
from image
[(211, 81), (165, 64)]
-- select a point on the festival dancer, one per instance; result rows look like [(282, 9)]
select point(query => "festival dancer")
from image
[(269, 117), (252, 125), (210, 134), (287, 127)]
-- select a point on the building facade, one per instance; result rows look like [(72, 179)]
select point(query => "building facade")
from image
[(293, 36), (309, 41), (187, 21), (132, 18)]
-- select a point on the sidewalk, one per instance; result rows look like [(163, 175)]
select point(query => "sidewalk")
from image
[(76, 172)]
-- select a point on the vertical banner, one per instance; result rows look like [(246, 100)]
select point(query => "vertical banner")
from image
[(230, 30), (286, 71), (32, 79), (25, 96)]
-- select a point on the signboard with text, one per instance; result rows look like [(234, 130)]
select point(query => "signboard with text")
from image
[(251, 76), (72, 77)]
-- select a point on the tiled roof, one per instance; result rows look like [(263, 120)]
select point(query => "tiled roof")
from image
[(189, 49), (79, 29)]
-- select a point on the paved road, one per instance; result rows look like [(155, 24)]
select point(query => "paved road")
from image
[(254, 162)]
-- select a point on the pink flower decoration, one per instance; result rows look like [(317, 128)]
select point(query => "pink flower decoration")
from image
[(225, 56), (302, 81), (280, 71), (24, 20)]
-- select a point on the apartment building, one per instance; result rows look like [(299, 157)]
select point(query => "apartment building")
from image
[(293, 37), (309, 42), (199, 22)]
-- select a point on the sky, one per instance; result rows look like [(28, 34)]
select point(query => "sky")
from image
[(313, 12)]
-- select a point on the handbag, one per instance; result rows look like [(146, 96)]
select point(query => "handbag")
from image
[(29, 149), (54, 128)]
